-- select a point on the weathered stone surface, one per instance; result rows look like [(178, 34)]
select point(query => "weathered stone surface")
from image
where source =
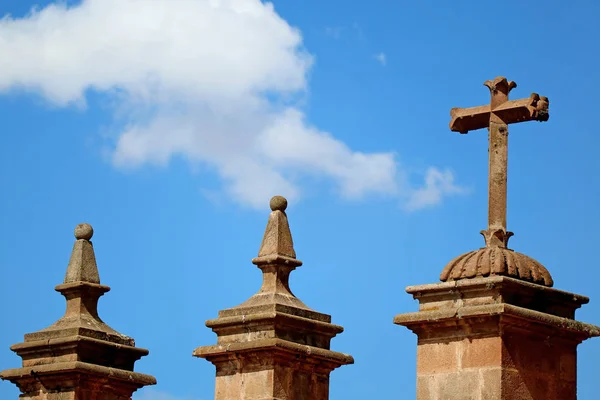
[(273, 346), (496, 338), (78, 357), (496, 258), (278, 238), (496, 261), (82, 265), (495, 329)]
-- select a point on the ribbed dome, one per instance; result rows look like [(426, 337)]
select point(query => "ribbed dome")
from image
[(496, 261)]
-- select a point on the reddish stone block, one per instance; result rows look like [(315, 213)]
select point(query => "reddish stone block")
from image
[(488, 349), (481, 352), (435, 358)]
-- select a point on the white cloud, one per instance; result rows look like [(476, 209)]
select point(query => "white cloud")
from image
[(290, 142), (437, 184), (218, 82), (381, 57)]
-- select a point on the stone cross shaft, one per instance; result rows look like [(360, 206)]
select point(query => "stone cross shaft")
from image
[(496, 116)]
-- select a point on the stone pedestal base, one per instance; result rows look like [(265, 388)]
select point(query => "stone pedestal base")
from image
[(272, 354), (273, 370), (496, 338), (76, 381)]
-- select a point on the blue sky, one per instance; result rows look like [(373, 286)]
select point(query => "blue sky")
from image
[(168, 126)]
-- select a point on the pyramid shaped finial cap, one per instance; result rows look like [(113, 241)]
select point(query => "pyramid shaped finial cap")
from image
[(277, 240), (82, 265)]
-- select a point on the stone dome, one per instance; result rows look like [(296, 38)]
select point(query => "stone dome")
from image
[(496, 261)]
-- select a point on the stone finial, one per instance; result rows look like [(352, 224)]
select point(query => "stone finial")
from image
[(277, 240), (82, 288), (501, 84), (79, 356), (277, 259), (84, 231), (273, 345), (278, 203), (496, 258), (82, 265)]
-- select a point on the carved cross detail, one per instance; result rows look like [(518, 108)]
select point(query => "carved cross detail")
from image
[(496, 116)]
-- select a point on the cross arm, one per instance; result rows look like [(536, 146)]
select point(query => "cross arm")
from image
[(534, 108), (469, 119)]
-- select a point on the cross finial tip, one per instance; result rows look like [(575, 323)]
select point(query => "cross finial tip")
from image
[(84, 231), (278, 203), (500, 83)]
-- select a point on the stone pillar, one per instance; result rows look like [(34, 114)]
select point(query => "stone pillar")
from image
[(498, 336), (79, 357), (273, 347)]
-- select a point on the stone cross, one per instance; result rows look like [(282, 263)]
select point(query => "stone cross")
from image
[(496, 116)]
